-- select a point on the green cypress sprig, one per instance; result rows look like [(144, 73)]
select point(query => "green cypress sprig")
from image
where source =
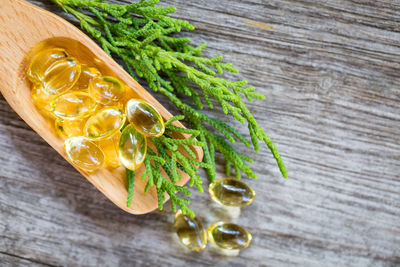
[(140, 34), (168, 156), (130, 180)]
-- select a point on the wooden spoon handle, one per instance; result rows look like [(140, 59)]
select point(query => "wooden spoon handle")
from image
[(23, 25)]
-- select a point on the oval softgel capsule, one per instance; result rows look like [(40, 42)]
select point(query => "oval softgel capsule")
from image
[(42, 61), (104, 123), (190, 231), (73, 105), (106, 90), (88, 73), (231, 192), (61, 76), (132, 148), (228, 235), (84, 153), (145, 118)]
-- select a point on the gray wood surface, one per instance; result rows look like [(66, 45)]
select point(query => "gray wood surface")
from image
[(331, 74)]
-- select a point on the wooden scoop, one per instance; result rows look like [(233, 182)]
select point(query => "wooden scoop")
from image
[(26, 29)]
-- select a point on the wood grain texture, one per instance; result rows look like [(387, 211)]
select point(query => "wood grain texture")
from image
[(330, 71)]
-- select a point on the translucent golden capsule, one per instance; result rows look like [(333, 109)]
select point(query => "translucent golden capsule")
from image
[(228, 235), (190, 231), (109, 147), (61, 76), (69, 128), (145, 118), (73, 105), (231, 192), (84, 153), (132, 148), (104, 123), (42, 100), (88, 73), (106, 90), (42, 61)]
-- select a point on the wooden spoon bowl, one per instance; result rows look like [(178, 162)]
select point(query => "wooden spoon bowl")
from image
[(26, 29)]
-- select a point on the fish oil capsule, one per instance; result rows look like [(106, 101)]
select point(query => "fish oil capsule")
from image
[(231, 192), (109, 147), (106, 90), (42, 61), (84, 153), (228, 235), (88, 73), (190, 231), (73, 105), (69, 128), (145, 118), (132, 148), (104, 123), (42, 100), (61, 76)]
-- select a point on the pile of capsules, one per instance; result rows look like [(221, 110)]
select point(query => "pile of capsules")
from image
[(101, 127), (228, 192), (90, 112)]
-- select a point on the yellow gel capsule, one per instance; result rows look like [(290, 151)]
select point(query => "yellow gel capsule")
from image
[(145, 118), (42, 61), (117, 105), (88, 73), (74, 105), (132, 148), (42, 100), (61, 76), (109, 147), (106, 90), (104, 123), (228, 235), (190, 231), (84, 153), (231, 192), (69, 128)]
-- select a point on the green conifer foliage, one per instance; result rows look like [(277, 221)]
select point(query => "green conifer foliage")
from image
[(141, 34)]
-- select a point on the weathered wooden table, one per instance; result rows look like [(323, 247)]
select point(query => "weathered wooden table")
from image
[(331, 74)]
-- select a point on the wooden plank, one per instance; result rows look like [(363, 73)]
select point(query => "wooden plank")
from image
[(330, 71)]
